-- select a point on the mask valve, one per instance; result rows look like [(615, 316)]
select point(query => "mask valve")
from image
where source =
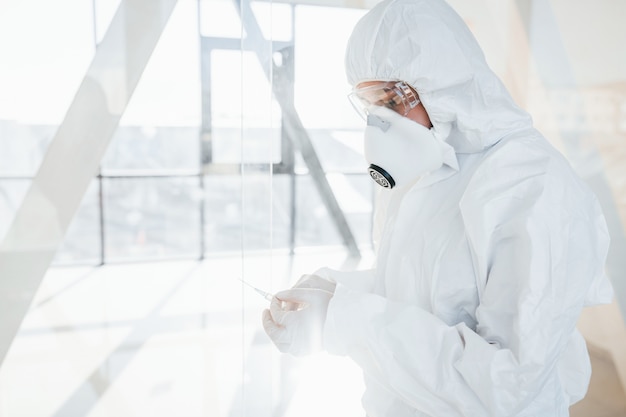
[(381, 176)]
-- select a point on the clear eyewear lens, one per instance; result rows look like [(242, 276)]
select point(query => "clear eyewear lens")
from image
[(359, 105), (397, 96)]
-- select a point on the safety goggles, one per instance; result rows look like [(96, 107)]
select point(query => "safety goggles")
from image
[(395, 95)]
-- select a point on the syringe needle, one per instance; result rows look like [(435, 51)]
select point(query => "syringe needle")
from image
[(268, 296)]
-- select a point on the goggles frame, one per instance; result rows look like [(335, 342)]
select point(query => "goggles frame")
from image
[(395, 95)]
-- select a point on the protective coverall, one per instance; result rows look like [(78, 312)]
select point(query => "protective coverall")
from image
[(484, 265)]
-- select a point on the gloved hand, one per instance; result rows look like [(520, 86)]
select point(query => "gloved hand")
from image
[(315, 281), (295, 320)]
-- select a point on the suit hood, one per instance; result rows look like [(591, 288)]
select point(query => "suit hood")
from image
[(426, 44)]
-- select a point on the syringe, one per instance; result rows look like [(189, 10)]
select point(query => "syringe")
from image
[(268, 296)]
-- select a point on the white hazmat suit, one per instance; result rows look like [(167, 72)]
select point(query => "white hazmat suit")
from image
[(483, 265)]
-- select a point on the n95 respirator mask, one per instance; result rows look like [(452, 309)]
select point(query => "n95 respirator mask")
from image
[(398, 149)]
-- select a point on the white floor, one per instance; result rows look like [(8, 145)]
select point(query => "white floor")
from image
[(169, 339), (185, 339)]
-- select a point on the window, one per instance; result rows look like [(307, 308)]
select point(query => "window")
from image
[(201, 161)]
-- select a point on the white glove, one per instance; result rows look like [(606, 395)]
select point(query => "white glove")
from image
[(315, 281), (295, 320)]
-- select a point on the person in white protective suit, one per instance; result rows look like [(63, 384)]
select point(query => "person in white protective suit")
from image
[(488, 245)]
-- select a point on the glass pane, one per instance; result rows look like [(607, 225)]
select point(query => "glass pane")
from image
[(105, 10), (168, 93), (339, 150), (274, 19), (12, 193), (22, 147), (153, 149), (355, 194), (314, 225), (160, 128), (82, 240), (320, 83), (235, 95), (242, 102), (220, 18), (45, 48), (260, 145), (150, 218), (264, 222)]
